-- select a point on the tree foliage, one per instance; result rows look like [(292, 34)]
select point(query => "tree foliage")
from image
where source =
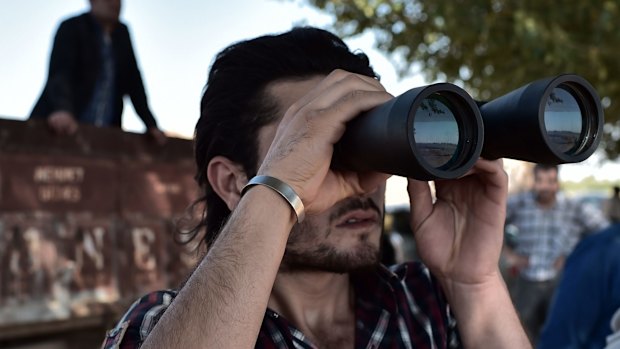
[(490, 47)]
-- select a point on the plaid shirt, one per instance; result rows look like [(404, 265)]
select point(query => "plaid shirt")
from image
[(398, 308), (544, 234)]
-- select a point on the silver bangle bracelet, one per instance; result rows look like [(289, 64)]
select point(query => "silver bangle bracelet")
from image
[(281, 188)]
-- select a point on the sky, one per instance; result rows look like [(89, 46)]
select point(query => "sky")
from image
[(175, 42)]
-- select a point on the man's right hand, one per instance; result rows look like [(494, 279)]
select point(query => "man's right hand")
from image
[(301, 151), (62, 122)]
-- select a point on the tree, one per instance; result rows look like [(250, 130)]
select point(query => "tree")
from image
[(490, 47)]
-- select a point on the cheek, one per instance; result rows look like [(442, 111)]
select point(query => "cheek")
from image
[(375, 238)]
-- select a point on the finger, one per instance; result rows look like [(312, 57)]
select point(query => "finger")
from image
[(486, 166), (325, 97), (330, 121), (331, 89), (347, 108), (491, 170), (342, 79), (420, 200)]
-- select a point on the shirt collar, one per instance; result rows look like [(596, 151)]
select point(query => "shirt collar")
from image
[(371, 289)]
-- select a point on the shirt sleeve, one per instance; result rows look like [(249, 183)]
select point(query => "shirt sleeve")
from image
[(62, 62), (136, 90), (138, 321)]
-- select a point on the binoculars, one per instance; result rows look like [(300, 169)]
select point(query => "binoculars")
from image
[(438, 131)]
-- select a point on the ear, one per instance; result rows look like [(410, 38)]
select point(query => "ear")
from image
[(227, 178)]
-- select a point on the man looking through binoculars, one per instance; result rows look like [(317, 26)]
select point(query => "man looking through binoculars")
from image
[(271, 113)]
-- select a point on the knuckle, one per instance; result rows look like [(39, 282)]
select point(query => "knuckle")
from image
[(339, 73), (351, 80), (345, 78), (354, 96)]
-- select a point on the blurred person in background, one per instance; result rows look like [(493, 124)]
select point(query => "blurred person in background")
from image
[(92, 67), (548, 225), (587, 296)]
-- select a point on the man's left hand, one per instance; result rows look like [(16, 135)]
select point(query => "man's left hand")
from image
[(459, 237)]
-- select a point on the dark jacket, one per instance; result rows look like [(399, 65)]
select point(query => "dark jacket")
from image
[(74, 68)]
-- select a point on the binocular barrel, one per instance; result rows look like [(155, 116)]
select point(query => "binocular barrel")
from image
[(553, 121), (428, 132), (437, 131)]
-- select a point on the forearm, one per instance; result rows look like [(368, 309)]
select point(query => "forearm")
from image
[(223, 303), (485, 315)]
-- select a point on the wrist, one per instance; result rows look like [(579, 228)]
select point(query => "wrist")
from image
[(455, 289), (281, 188), (485, 314), (264, 202)]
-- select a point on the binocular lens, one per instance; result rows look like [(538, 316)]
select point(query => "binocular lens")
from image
[(436, 132), (564, 121)]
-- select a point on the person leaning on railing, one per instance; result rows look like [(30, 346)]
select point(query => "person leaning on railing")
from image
[(92, 67)]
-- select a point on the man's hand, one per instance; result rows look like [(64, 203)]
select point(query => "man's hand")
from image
[(459, 238), (157, 135), (62, 122), (301, 151)]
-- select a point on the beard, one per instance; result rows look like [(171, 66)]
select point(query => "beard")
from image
[(545, 196), (308, 250)]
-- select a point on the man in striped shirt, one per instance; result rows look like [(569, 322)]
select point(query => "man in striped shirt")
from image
[(271, 113), (549, 226)]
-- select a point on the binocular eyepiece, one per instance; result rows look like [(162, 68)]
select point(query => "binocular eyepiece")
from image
[(438, 131)]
